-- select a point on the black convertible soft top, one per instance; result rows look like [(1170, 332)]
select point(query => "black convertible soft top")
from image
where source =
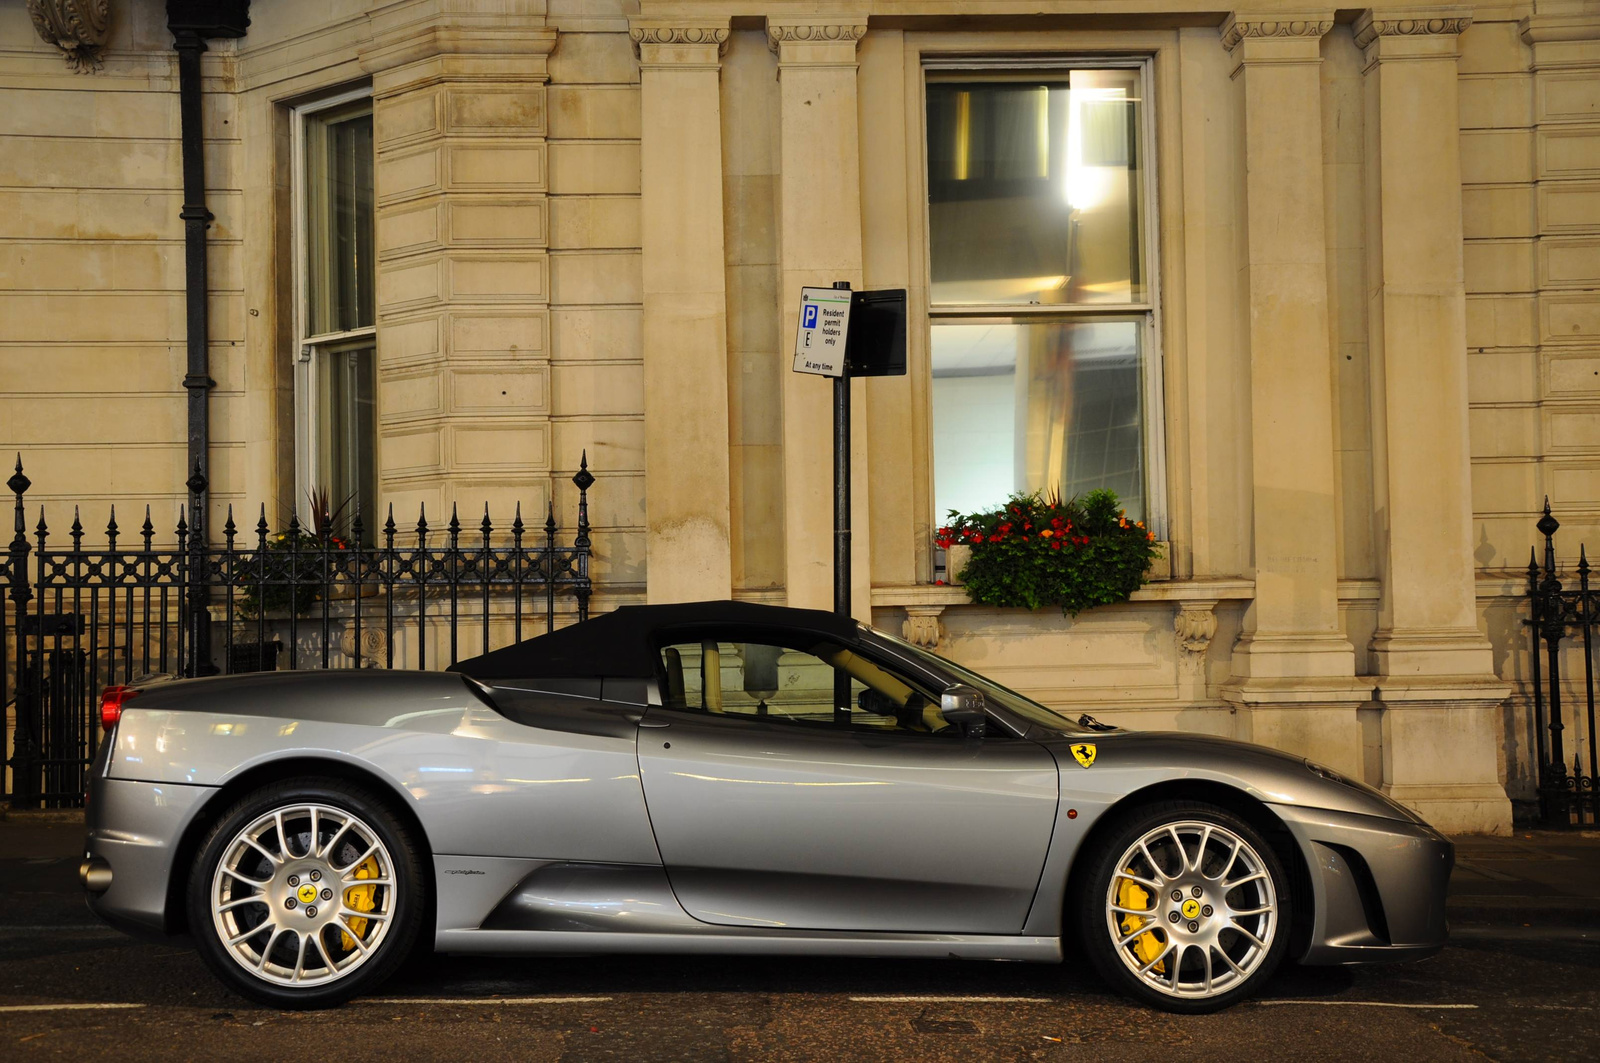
[(622, 644)]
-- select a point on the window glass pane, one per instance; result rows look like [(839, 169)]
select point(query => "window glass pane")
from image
[(347, 423), (784, 685), (339, 249), (1035, 189), (1037, 406)]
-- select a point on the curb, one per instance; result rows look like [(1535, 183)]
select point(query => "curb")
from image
[(1520, 912), (42, 815)]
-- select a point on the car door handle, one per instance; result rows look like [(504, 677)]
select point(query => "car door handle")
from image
[(648, 722)]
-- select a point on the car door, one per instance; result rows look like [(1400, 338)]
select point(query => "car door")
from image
[(778, 801)]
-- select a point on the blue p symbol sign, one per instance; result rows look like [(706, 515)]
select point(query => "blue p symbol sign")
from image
[(808, 316)]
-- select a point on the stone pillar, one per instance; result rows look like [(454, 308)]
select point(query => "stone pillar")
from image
[(687, 514), (1436, 674), (463, 285), (1293, 668), (819, 242)]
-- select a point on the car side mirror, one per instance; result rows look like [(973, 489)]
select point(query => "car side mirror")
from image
[(963, 706)]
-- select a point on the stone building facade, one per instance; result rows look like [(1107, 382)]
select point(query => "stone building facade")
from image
[(1319, 290)]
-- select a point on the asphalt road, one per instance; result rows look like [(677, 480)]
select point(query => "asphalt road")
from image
[(72, 989)]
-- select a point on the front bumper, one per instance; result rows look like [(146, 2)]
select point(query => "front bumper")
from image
[(1378, 886), (133, 834)]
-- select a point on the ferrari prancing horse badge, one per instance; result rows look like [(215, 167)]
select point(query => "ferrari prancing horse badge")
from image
[(1083, 753)]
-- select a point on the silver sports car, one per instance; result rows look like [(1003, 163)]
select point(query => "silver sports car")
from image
[(720, 777)]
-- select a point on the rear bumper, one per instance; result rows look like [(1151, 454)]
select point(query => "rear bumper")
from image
[(1378, 886), (133, 834)]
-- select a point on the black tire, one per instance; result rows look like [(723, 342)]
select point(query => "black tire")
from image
[(323, 949), (1211, 929)]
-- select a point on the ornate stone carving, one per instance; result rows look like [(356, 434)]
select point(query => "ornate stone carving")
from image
[(78, 27), (1239, 26), (651, 34), (1195, 625), (780, 33), (922, 627), (374, 645), (1369, 29)]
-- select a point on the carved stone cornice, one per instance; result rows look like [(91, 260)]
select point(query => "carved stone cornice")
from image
[(672, 34), (1422, 22), (821, 31), (921, 626), (1243, 25), (80, 28), (1195, 625)]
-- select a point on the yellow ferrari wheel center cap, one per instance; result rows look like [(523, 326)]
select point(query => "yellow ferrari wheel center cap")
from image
[(307, 893), (1191, 908)]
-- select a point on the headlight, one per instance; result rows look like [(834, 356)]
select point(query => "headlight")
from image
[(1329, 774), (1395, 808)]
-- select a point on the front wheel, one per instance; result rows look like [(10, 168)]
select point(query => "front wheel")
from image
[(306, 893), (1184, 906)]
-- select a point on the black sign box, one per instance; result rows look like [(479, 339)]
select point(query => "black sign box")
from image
[(876, 342)]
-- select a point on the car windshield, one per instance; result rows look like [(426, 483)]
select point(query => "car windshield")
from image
[(1006, 698)]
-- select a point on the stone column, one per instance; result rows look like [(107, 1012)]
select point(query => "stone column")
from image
[(463, 285), (687, 514), (819, 242), (1436, 673), (1293, 668)]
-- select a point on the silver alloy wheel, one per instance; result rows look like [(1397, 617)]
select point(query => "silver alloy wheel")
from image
[(1191, 909), (304, 895)]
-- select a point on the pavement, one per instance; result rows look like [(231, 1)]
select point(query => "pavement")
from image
[(1518, 983)]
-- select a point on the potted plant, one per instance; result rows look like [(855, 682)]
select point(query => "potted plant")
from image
[(294, 580), (1039, 550)]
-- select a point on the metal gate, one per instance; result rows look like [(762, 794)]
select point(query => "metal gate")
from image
[(78, 618), (1567, 797)]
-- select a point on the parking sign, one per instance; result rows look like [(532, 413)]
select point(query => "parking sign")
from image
[(824, 323)]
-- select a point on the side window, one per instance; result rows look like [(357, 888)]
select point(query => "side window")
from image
[(806, 687)]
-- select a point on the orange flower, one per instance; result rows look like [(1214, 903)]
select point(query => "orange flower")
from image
[(1045, 533), (1150, 536)]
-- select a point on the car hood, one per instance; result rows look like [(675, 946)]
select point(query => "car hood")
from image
[(1129, 760)]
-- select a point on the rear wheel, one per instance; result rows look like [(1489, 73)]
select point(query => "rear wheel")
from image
[(1185, 906), (306, 893)]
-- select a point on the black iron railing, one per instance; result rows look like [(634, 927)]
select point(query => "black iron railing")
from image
[(1567, 798), (78, 618)]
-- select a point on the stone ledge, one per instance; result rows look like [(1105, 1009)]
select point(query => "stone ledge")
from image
[(888, 596)]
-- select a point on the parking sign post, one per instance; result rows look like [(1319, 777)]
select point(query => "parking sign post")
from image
[(843, 333)]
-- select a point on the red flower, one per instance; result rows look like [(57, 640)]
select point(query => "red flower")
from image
[(1026, 526), (1055, 546), (1057, 523)]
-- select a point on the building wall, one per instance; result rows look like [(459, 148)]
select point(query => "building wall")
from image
[(92, 333), (494, 393), (1530, 136)]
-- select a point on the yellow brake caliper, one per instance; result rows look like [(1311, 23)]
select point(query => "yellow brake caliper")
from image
[(1146, 946), (360, 899)]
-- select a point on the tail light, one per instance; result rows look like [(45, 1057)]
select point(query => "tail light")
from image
[(111, 701)]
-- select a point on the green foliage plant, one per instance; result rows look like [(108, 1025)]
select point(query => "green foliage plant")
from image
[(1039, 550)]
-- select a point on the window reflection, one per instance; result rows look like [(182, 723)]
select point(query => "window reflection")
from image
[(1036, 189), (1037, 406)]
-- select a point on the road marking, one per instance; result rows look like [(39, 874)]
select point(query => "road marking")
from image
[(66, 1007), (952, 1000), (481, 1000), (1369, 1004)]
